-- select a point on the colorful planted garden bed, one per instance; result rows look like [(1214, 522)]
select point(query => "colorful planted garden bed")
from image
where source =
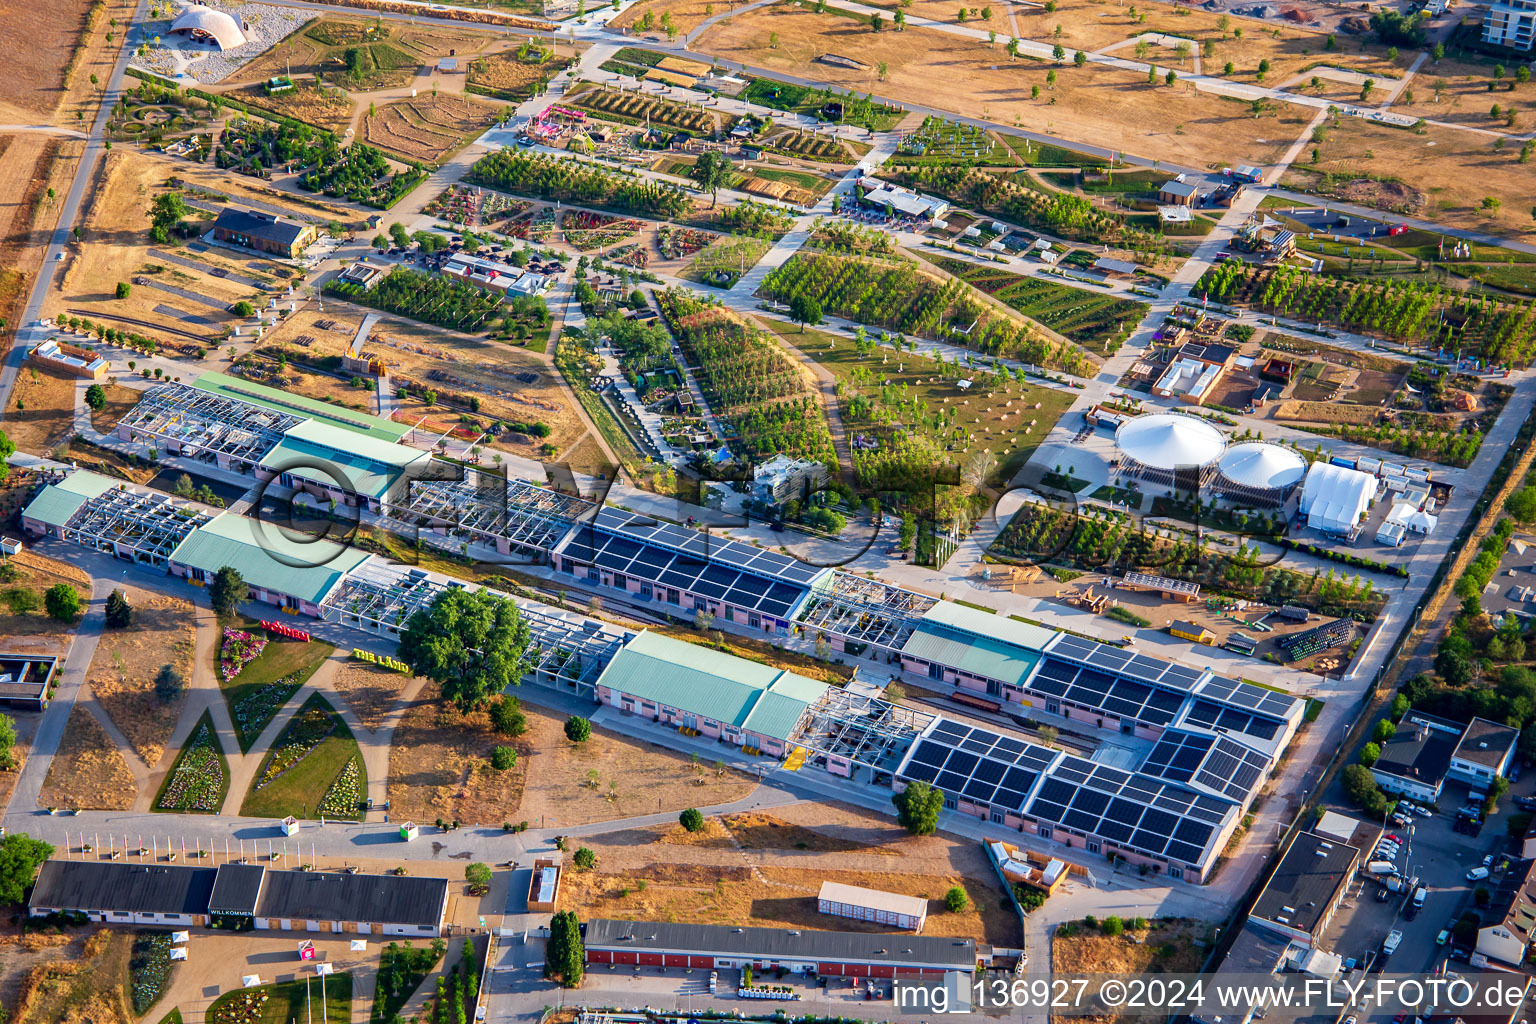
[(677, 243), (309, 727), (589, 231), (345, 797), (200, 778), (238, 650)]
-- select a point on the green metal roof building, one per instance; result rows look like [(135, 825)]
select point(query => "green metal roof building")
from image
[(715, 694), (298, 405), (54, 506), (964, 643), (280, 569), (372, 466)]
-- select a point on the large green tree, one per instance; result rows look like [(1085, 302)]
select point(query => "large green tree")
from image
[(7, 741), (564, 955), (165, 215), (474, 644), (712, 171), (20, 857), (227, 591), (918, 807)]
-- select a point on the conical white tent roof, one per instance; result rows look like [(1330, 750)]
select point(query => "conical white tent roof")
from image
[(1260, 465), (1166, 440)]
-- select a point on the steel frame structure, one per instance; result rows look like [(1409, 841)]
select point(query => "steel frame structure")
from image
[(866, 730), (149, 525), (203, 423), (864, 610), (489, 507), (568, 654)]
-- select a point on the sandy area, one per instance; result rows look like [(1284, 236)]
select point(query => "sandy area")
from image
[(1113, 108), (123, 670), (87, 772), (369, 690)]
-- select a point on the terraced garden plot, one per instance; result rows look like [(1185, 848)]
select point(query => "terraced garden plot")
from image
[(428, 129), (1091, 319), (812, 145), (632, 108)]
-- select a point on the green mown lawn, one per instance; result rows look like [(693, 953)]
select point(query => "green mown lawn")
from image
[(287, 1002), (258, 693), (199, 780), (300, 788)]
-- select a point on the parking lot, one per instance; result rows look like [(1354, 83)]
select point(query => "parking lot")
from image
[(1439, 857)]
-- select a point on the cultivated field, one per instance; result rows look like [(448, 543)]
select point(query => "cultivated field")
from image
[(1116, 109), (87, 773), (1439, 174), (428, 129), (37, 47), (127, 661)]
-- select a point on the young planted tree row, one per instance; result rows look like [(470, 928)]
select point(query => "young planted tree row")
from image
[(1501, 332), (534, 174), (430, 298), (1059, 213)]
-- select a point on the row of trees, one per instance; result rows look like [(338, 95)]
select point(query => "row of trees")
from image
[(535, 174), (430, 298)]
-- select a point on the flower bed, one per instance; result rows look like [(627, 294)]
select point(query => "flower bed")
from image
[(628, 256), (536, 228), (677, 243), (454, 204), (197, 782), (344, 799), (252, 713), (589, 231), (308, 728), (149, 968), (243, 1008), (238, 650)]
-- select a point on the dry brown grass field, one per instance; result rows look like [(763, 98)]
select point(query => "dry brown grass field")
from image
[(37, 42), (439, 767), (505, 71), (1112, 108), (40, 411), (1464, 98), (87, 772), (119, 400), (1443, 173), (686, 15), (369, 690), (123, 670)]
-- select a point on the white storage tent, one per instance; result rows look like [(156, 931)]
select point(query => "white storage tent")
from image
[(1334, 498)]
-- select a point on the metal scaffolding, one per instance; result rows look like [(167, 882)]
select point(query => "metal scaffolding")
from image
[(864, 611), (490, 508), (207, 425), (569, 653), (145, 526), (865, 730)]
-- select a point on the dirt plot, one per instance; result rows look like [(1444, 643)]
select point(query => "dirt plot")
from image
[(40, 413), (26, 728), (127, 662), (686, 15), (36, 46), (716, 888), (757, 831), (119, 401), (1452, 170), (428, 129), (87, 772), (513, 385), (1457, 92), (1166, 946), (1117, 109), (611, 776), (369, 690), (439, 767), (119, 252)]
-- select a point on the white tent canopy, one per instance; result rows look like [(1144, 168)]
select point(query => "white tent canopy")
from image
[(1334, 498), (205, 22), (179, 937), (359, 944), (1260, 465), (178, 954), (1169, 441), (251, 980)]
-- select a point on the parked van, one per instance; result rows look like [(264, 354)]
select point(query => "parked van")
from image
[(1381, 867)]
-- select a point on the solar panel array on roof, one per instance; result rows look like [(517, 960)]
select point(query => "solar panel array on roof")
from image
[(1219, 764), (1211, 715), (1134, 811), (1093, 688), (1248, 697), (977, 764), (687, 560), (1118, 661)]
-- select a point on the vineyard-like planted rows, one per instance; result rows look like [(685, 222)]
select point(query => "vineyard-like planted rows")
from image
[(534, 174), (1088, 318), (430, 298), (1058, 213), (748, 379), (638, 109), (896, 296), (1431, 315)]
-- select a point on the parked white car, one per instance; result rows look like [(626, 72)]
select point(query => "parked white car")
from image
[(1477, 874)]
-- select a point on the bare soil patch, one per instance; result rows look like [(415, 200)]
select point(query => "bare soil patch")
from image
[(611, 776), (26, 728), (439, 767), (756, 831), (1166, 946), (127, 661), (370, 691), (20, 953), (1115, 108), (87, 772), (777, 897)]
